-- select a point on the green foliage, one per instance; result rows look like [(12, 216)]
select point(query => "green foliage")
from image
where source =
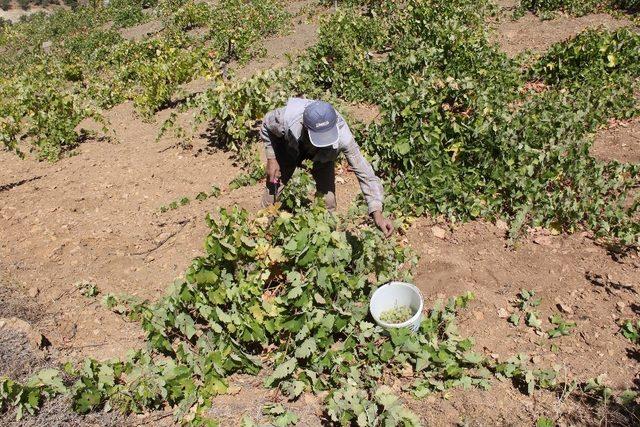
[(453, 142), (126, 13), (598, 387), (215, 191), (28, 397), (34, 108), (87, 66), (560, 326), (526, 302), (576, 7), (545, 422), (201, 197), (526, 299), (527, 378), (631, 331), (237, 26), (255, 174), (232, 109), (188, 15), (87, 289), (592, 55), (280, 417), (632, 6), (295, 195), (160, 67), (351, 405), (293, 289)]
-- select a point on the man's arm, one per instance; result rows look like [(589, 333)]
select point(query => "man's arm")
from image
[(272, 129), (369, 183)]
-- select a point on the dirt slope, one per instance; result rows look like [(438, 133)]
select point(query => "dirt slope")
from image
[(531, 33), (620, 142), (95, 216)]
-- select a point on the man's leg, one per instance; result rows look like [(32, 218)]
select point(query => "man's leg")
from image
[(325, 176)]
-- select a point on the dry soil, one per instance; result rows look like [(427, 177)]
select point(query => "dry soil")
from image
[(96, 216)]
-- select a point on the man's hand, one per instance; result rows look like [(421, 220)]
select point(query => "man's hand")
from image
[(273, 170), (385, 225)]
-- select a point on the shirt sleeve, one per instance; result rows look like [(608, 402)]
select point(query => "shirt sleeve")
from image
[(272, 130), (369, 183)]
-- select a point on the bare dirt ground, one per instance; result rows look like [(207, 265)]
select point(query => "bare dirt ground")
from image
[(619, 142), (20, 320), (95, 216), (531, 33), (15, 12)]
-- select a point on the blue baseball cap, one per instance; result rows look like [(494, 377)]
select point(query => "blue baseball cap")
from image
[(321, 120)]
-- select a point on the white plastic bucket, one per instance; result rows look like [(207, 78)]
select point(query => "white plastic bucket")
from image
[(394, 294)]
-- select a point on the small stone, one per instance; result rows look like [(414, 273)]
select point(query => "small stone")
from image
[(620, 305), (542, 240), (564, 308), (162, 237), (46, 46), (233, 389), (501, 225), (36, 339), (309, 399), (340, 180), (502, 313), (33, 292), (438, 232), (478, 315), (407, 371), (68, 331)]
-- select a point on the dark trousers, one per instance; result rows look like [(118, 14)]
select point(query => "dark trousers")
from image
[(324, 174)]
